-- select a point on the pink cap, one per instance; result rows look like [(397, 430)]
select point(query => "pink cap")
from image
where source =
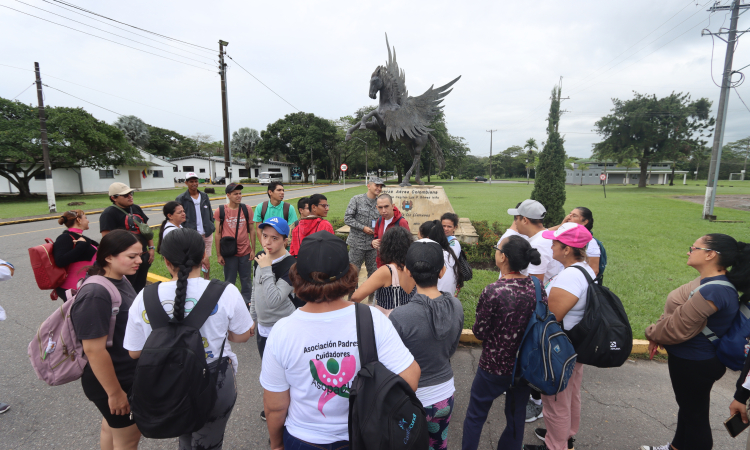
[(571, 234)]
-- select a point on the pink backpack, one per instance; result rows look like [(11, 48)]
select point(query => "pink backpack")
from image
[(56, 353)]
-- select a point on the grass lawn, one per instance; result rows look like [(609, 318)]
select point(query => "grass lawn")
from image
[(13, 207), (646, 233)]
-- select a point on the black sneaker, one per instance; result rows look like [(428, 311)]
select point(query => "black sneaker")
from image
[(541, 433), (263, 415)]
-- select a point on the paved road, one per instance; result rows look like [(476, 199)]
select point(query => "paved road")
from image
[(622, 408)]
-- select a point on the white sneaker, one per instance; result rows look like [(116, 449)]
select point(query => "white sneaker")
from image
[(668, 446)]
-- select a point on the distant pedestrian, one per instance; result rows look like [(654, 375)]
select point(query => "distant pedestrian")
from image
[(449, 282), (723, 265), (313, 223), (199, 216), (6, 273), (115, 217), (430, 326), (174, 215), (73, 251), (109, 374), (502, 315), (274, 206), (391, 283), (238, 225), (390, 217), (361, 216), (566, 297)]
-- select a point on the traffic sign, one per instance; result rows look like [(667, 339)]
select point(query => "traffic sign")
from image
[(602, 177), (344, 167)]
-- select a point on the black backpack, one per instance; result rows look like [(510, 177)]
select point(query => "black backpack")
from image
[(384, 412), (173, 389), (279, 270), (603, 337)]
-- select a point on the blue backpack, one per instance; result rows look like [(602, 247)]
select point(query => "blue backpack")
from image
[(546, 358), (730, 348)]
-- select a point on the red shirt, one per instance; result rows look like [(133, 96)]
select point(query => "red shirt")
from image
[(306, 227), (230, 224)]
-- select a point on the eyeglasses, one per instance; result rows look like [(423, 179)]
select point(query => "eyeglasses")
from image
[(701, 248), (497, 248)]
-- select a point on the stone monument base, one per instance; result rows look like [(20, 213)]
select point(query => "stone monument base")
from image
[(419, 204)]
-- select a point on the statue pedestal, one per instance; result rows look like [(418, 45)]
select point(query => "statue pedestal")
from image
[(419, 204)]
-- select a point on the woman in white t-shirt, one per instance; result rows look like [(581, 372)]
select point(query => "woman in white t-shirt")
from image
[(583, 216), (230, 320), (311, 356), (566, 298), (174, 215), (452, 278)]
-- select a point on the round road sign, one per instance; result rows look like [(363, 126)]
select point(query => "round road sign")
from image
[(602, 177), (344, 167)]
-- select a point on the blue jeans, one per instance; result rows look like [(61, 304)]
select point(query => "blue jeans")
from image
[(485, 389), (292, 443), (243, 265)]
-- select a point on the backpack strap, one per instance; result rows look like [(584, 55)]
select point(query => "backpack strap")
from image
[(263, 210), (157, 317), (368, 351), (221, 219), (206, 304), (710, 335), (115, 297), (286, 212), (539, 306), (586, 274), (243, 207)]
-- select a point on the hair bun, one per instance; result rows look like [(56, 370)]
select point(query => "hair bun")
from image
[(533, 256)]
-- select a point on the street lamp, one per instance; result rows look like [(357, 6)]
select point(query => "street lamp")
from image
[(366, 172)]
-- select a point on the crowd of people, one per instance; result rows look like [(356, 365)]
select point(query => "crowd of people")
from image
[(297, 298)]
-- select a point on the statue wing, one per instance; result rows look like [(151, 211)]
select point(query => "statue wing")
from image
[(394, 76), (416, 113)]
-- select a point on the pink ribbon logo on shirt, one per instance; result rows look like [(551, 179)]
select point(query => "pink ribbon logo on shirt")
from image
[(333, 378)]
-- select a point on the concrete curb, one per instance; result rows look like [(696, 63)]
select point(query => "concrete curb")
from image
[(640, 346), (99, 211)]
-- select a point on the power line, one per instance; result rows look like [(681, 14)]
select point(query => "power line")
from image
[(109, 40), (131, 26), (116, 96), (238, 64), (123, 29), (98, 106), (115, 34), (735, 91), (27, 88)]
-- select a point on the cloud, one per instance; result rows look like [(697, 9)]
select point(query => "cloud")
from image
[(319, 57)]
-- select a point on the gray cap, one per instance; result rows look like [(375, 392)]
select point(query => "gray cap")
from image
[(376, 180), (530, 209)]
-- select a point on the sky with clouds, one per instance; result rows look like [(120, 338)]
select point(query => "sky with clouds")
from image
[(318, 56)]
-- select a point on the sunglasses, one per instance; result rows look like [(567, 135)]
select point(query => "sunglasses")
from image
[(701, 248), (123, 195)]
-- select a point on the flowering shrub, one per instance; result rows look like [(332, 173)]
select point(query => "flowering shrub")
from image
[(482, 252)]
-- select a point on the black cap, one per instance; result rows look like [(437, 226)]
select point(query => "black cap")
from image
[(323, 252), (426, 251), (232, 187)]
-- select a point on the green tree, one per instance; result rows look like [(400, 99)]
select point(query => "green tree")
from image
[(582, 168), (296, 136), (168, 143), (549, 183), (76, 139), (656, 128), (243, 144), (135, 130)]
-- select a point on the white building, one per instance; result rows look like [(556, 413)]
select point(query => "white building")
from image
[(213, 167), (153, 173), (657, 172)]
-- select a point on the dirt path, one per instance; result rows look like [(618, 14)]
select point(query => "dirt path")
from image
[(740, 202)]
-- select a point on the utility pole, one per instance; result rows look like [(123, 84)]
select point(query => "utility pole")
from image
[(225, 110), (491, 131), (726, 79), (45, 143)]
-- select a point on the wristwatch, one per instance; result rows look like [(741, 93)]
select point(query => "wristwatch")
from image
[(151, 247)]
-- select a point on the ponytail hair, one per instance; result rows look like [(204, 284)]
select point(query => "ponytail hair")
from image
[(433, 229), (184, 249), (735, 255), (587, 216), (520, 253), (68, 218), (114, 243), (168, 210)]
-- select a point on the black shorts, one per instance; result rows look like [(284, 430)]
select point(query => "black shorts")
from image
[(95, 392)]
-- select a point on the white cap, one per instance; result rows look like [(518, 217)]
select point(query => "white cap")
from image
[(190, 175)]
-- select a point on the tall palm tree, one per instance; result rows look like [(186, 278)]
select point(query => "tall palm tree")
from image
[(531, 145)]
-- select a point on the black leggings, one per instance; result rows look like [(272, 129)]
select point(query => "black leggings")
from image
[(692, 382)]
